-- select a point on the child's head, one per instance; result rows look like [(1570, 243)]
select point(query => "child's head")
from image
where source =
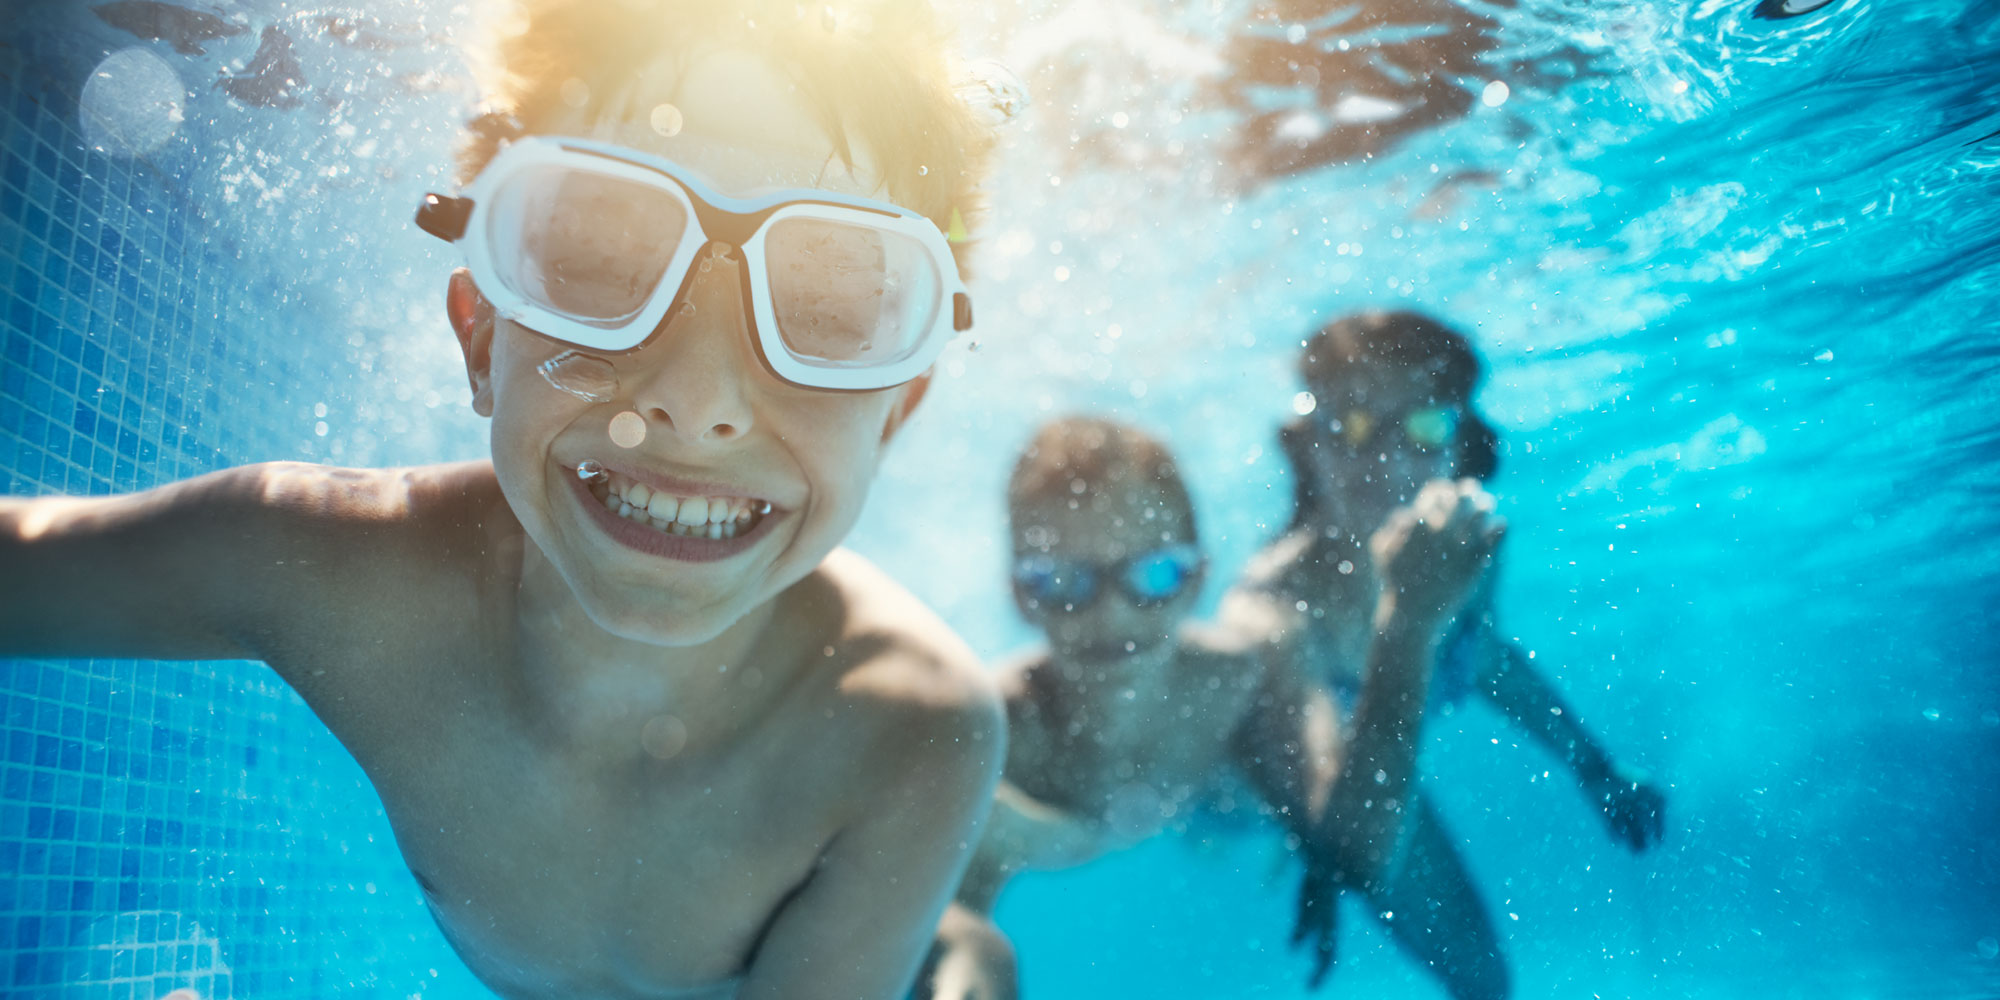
[(1106, 558), (1393, 410), (875, 79), (782, 162)]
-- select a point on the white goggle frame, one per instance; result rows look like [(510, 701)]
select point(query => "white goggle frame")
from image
[(461, 221)]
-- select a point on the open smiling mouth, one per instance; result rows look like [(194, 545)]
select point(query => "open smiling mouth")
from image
[(712, 517)]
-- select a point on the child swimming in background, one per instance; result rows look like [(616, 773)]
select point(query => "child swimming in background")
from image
[(1393, 417), (1131, 716), (640, 730)]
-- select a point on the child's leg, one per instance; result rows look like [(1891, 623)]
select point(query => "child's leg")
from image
[(1437, 917), (970, 960)]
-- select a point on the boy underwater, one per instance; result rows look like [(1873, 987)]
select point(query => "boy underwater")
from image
[(1393, 417), (1131, 716), (640, 730)]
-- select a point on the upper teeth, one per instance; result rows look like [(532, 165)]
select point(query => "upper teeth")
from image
[(712, 517)]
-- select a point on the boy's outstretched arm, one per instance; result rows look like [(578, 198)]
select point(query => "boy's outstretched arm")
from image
[(1633, 806), (204, 568), (245, 563), (859, 927), (165, 574)]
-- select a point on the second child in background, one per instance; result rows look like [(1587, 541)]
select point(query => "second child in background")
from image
[(1131, 715), (1393, 418)]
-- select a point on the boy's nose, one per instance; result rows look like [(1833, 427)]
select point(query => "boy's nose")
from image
[(694, 378)]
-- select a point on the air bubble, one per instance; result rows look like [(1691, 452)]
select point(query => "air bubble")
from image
[(664, 736), (628, 429), (131, 104), (585, 376), (667, 120), (992, 91)]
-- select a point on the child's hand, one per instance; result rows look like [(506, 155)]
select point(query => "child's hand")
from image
[(1634, 808), (1318, 918), (974, 961), (1432, 553)]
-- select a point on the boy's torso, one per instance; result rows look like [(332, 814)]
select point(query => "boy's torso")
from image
[(1148, 757), (556, 872)]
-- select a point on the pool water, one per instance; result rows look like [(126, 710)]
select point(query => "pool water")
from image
[(1737, 280)]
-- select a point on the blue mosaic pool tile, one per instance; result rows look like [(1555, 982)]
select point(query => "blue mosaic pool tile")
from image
[(164, 825)]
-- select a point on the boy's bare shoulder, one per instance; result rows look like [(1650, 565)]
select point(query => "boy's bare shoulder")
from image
[(424, 496), (428, 511), (899, 662)]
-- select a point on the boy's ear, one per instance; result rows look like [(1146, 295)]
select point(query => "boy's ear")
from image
[(913, 393), (472, 321)]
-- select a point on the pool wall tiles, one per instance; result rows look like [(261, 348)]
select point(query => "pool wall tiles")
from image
[(164, 825)]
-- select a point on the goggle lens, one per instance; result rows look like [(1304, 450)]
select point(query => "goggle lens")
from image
[(588, 246), (1148, 578), (1427, 428), (1160, 575), (1055, 583), (849, 295), (1431, 427)]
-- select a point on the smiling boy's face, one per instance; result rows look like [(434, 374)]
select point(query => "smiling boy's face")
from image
[(718, 427)]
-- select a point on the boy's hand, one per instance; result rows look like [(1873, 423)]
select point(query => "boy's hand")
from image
[(1634, 807), (973, 960), (1318, 918), (1432, 554)]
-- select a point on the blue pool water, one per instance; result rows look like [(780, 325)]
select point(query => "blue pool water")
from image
[(1737, 280)]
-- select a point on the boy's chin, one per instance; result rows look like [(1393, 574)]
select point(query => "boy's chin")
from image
[(1111, 651), (680, 625)]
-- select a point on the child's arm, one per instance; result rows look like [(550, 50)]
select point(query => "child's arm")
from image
[(1349, 828), (1025, 832), (860, 925), (1633, 806), (1431, 555), (236, 564), (973, 961), (194, 570)]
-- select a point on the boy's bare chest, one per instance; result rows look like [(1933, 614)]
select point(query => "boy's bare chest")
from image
[(1135, 758), (651, 877), (558, 883)]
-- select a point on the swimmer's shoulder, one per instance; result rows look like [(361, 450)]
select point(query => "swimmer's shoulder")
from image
[(428, 511), (901, 674), (382, 550), (1274, 566)]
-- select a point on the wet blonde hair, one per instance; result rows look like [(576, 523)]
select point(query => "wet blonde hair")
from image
[(876, 71)]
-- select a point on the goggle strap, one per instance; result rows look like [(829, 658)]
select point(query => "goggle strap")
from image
[(444, 217)]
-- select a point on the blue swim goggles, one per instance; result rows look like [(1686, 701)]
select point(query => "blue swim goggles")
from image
[(593, 244), (1148, 578)]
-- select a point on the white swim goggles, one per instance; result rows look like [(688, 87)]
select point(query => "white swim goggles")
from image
[(593, 244)]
